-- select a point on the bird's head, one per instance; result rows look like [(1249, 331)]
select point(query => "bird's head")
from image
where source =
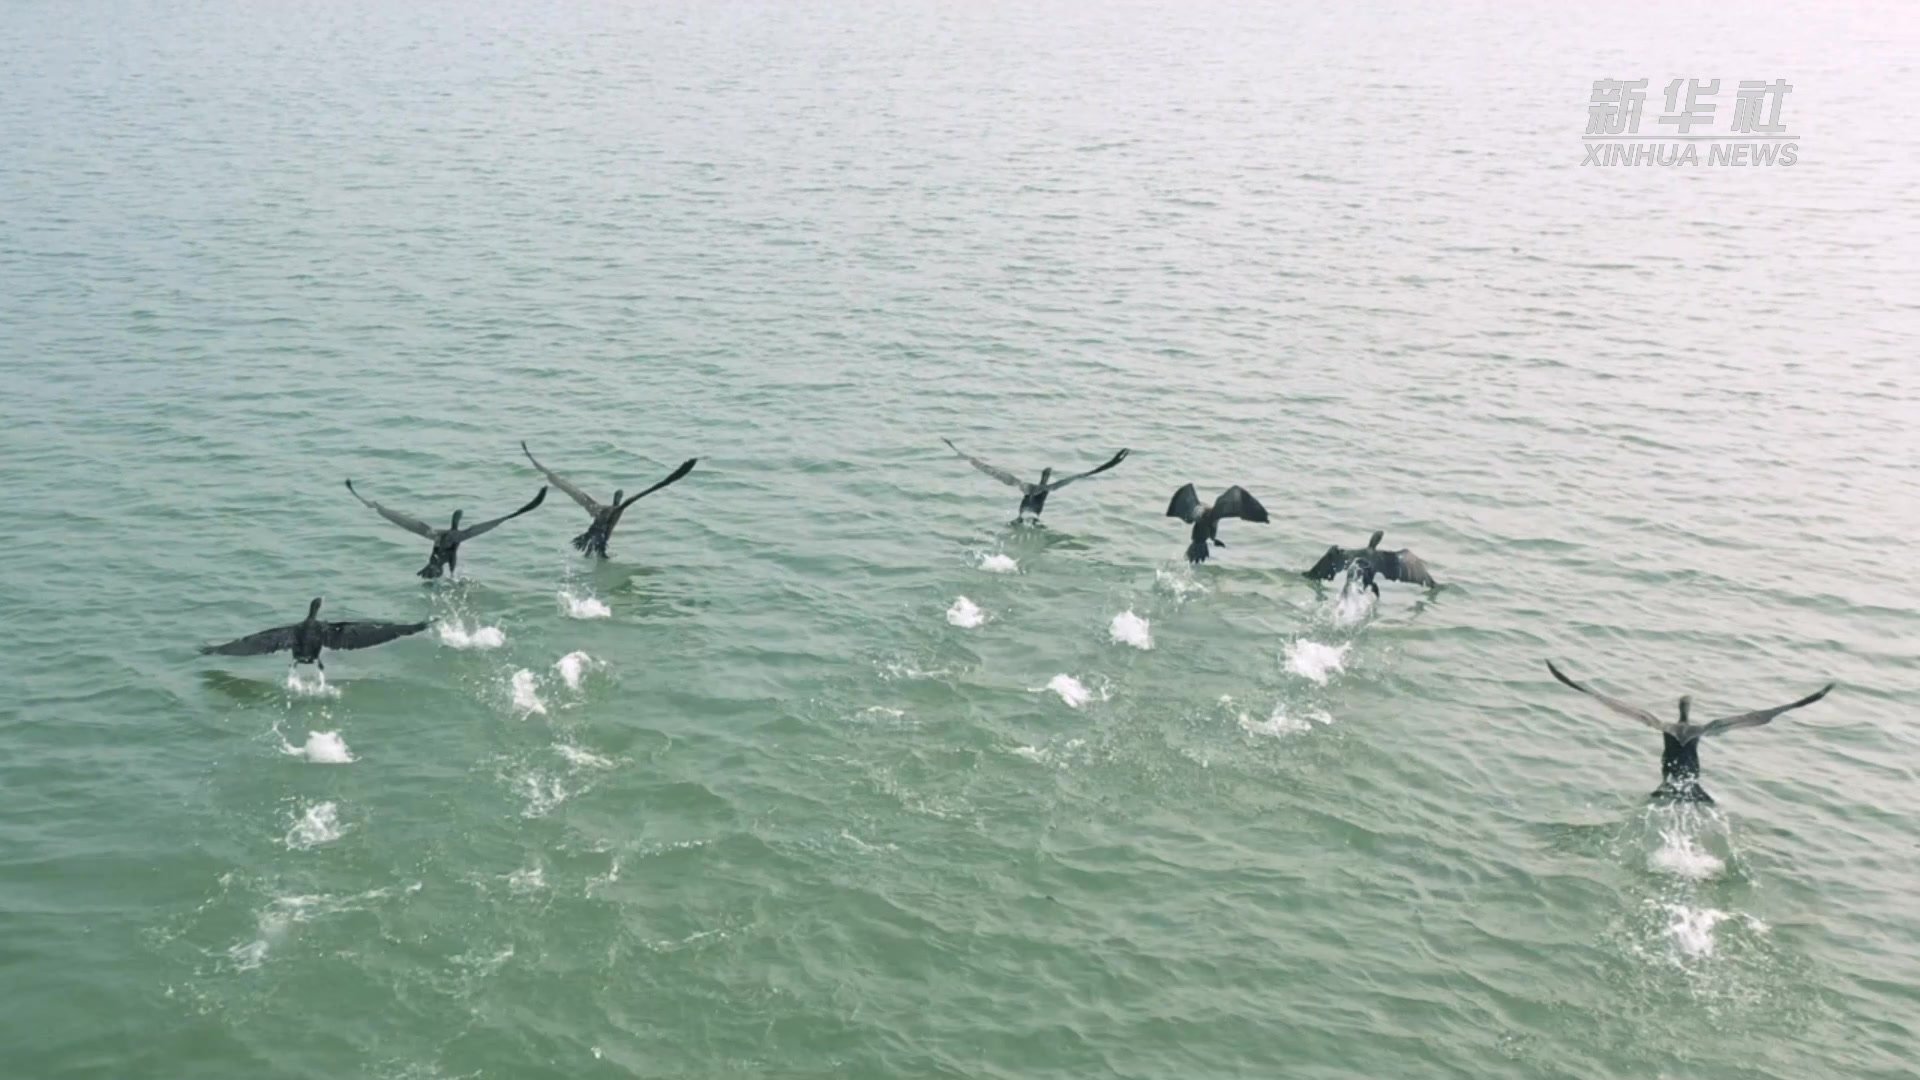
[(313, 609), (1686, 706), (617, 494), (1374, 540), (1046, 475), (456, 519)]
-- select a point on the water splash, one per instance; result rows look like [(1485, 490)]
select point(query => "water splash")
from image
[(321, 748), (1130, 629), (526, 697), (1071, 690), (965, 614), (1282, 723), (581, 759), (583, 607), (1181, 582), (542, 793), (1681, 854), (1316, 662), (314, 687), (573, 668), (1353, 603), (320, 824), (999, 564), (455, 635), (1690, 929)]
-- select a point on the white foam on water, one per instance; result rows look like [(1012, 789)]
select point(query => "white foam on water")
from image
[(1681, 855), (528, 879), (456, 635), (1034, 754), (965, 614), (1071, 690), (1130, 629), (573, 668), (999, 564), (1316, 662), (526, 697), (314, 687), (581, 759), (321, 748), (583, 607), (320, 824)]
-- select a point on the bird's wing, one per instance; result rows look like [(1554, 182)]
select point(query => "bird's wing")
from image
[(472, 531), (685, 468), (1236, 502), (360, 635), (1330, 564), (1186, 505), (585, 500), (1065, 480), (411, 524), (994, 471), (1404, 565), (1615, 704), (1759, 716), (266, 641)]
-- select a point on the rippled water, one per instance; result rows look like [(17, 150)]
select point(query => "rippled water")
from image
[(750, 799)]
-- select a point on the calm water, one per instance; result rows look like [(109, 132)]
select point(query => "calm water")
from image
[(793, 820)]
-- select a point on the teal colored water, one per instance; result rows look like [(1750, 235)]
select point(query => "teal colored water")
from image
[(790, 815)]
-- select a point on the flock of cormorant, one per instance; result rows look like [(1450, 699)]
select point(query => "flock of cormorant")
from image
[(1679, 760)]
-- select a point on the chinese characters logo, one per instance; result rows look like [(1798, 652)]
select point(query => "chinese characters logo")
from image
[(1753, 135)]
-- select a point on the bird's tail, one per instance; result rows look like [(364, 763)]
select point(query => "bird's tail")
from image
[(1197, 551)]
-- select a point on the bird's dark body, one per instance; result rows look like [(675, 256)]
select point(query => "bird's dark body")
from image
[(445, 555), (1235, 502), (1680, 773), (605, 515), (1364, 565), (594, 540), (1033, 496), (307, 637), (1205, 531), (1680, 752)]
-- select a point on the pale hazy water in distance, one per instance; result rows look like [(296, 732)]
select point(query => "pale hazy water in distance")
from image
[(787, 816)]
